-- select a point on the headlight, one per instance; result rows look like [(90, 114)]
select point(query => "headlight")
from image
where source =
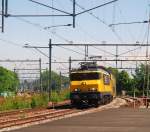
[(93, 89), (76, 89)]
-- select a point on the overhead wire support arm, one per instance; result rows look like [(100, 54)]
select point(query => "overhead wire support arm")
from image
[(50, 7), (114, 60), (4, 11), (108, 44), (58, 26), (34, 15), (30, 69), (35, 47), (42, 52), (127, 23), (96, 7), (79, 44), (7, 60)]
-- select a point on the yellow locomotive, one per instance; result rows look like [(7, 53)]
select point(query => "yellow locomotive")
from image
[(91, 84)]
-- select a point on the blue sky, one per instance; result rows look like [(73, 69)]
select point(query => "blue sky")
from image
[(19, 31)]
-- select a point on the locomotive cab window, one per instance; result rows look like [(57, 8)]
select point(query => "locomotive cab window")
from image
[(106, 79), (84, 76)]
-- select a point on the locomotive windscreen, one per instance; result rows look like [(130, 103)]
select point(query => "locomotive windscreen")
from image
[(84, 76)]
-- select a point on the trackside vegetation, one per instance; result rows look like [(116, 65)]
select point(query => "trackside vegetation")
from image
[(32, 101), (9, 81), (135, 81)]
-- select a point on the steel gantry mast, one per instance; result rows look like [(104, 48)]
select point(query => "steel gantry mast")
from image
[(5, 14), (51, 45)]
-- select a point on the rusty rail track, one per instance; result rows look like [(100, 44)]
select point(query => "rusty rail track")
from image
[(24, 116), (13, 112), (34, 118), (28, 116), (132, 102), (50, 105)]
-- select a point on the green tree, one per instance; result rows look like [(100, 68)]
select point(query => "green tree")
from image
[(140, 77), (55, 84), (114, 71), (8, 80), (124, 81)]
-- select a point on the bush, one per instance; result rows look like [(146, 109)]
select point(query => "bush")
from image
[(39, 100), (138, 93), (60, 96), (15, 103), (34, 101)]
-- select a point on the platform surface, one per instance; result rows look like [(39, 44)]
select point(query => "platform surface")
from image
[(112, 120)]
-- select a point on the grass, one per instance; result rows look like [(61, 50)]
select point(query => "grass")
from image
[(60, 96), (34, 101)]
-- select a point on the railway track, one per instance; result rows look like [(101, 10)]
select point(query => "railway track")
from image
[(14, 112), (30, 116), (133, 102), (33, 117), (25, 116), (21, 111)]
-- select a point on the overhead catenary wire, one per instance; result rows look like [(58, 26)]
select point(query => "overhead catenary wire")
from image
[(104, 51), (101, 21), (42, 52), (114, 15), (62, 11), (11, 42), (87, 10), (136, 22), (38, 25), (81, 29), (93, 38), (85, 32), (72, 50), (127, 23), (43, 28), (50, 7)]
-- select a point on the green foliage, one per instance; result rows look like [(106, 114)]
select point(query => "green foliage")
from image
[(33, 103), (15, 103), (8, 80), (36, 100), (60, 96), (141, 77), (39, 100), (124, 81), (56, 80), (137, 92), (136, 82), (114, 71)]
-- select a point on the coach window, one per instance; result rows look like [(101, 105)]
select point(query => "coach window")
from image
[(106, 79)]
